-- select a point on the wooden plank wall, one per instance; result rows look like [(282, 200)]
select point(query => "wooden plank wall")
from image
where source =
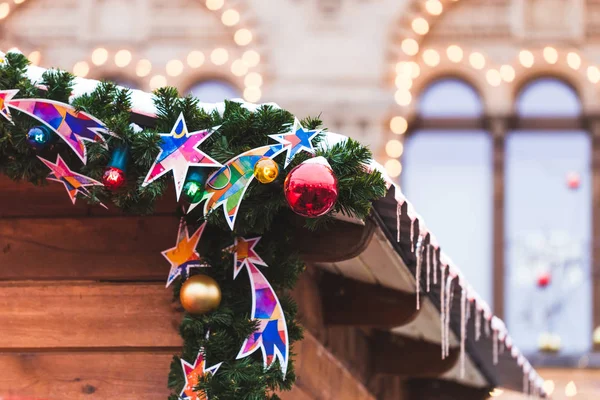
[(84, 313)]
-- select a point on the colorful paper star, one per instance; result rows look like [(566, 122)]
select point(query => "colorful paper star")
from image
[(74, 182), (5, 97), (184, 255), (245, 255), (193, 373), (297, 140), (71, 125), (179, 151)]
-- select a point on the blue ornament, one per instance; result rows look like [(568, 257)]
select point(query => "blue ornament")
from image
[(38, 137)]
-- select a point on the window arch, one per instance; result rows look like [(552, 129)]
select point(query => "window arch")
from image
[(448, 173), (214, 90), (548, 221), (548, 97)]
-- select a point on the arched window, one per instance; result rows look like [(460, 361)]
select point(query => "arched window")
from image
[(214, 91), (447, 173), (548, 221)]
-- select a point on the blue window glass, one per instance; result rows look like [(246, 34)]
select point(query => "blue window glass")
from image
[(548, 226), (214, 91), (447, 174)]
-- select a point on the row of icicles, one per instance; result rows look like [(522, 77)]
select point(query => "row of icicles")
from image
[(428, 252)]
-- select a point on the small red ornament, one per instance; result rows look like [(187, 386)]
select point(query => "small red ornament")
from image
[(544, 279), (113, 178), (311, 188), (573, 180)]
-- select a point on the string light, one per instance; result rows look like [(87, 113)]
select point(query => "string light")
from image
[(195, 59), (496, 392), (214, 5), (253, 79), (493, 77), (398, 125), (81, 69), (431, 57), (157, 81), (230, 17), (548, 387), (174, 68), (403, 97), (122, 58), (420, 26), (593, 74), (477, 60), (550, 55), (403, 82), (251, 58), (219, 56), (99, 56), (239, 68), (408, 69), (573, 60), (526, 58), (4, 10), (454, 53), (19, 1), (252, 94), (434, 7), (242, 37), (143, 68), (393, 167), (507, 73), (571, 389), (410, 47), (394, 148)]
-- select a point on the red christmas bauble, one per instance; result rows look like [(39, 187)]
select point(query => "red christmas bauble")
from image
[(113, 178), (573, 180), (544, 279), (311, 188)]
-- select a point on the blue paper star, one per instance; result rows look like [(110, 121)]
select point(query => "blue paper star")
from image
[(297, 140)]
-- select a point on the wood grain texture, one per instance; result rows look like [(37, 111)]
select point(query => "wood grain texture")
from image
[(86, 315), (90, 376), (113, 248)]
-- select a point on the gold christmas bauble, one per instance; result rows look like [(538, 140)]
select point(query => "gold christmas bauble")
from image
[(597, 336), (549, 342), (200, 294), (266, 170)]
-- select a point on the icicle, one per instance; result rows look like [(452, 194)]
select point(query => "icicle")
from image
[(525, 383), (412, 235), (449, 296), (487, 328), (443, 313), (477, 323), (502, 347), (419, 259), (495, 347), (435, 265), (398, 217), (463, 330), (428, 265), (468, 309)]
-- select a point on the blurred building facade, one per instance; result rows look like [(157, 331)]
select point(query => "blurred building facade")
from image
[(485, 110)]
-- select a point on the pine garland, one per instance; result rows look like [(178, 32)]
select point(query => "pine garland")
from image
[(264, 210)]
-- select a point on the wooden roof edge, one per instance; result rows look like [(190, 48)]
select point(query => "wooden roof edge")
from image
[(512, 370)]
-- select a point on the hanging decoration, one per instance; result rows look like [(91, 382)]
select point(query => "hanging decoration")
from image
[(179, 151), (298, 139), (74, 183), (266, 170), (227, 186), (184, 256), (543, 279), (193, 373), (74, 127), (193, 189), (271, 336), (573, 180), (200, 294), (39, 137), (311, 188), (114, 173)]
